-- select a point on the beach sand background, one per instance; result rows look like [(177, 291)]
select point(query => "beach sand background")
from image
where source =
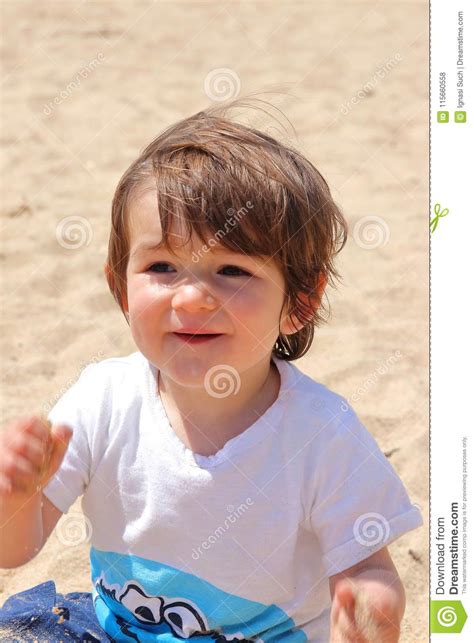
[(87, 85)]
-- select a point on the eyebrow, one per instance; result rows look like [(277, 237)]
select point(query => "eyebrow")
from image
[(145, 247)]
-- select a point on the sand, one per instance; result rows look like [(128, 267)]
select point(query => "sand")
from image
[(87, 85)]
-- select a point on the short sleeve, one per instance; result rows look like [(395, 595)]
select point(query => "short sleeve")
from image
[(73, 475), (358, 504)]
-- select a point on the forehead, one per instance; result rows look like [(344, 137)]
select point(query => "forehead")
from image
[(143, 220), (145, 231), (142, 212)]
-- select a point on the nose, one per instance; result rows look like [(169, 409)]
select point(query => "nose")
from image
[(193, 297)]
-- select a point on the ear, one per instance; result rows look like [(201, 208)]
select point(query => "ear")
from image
[(290, 324)]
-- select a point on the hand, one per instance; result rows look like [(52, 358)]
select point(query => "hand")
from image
[(30, 454), (364, 612)]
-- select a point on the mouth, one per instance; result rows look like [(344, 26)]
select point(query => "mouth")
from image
[(199, 338)]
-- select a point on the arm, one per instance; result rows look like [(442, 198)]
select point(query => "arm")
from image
[(50, 515), (35, 518), (21, 530), (29, 456), (368, 602)]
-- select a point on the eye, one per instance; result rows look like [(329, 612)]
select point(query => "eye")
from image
[(233, 268), (146, 609), (161, 267), (184, 620), (158, 267)]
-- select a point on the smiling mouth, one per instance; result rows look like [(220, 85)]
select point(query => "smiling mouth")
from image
[(197, 338)]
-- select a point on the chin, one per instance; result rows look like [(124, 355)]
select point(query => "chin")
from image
[(186, 371), (216, 374)]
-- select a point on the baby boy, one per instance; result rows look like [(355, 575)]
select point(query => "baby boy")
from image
[(229, 496)]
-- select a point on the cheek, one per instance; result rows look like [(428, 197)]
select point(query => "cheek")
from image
[(144, 298), (256, 309)]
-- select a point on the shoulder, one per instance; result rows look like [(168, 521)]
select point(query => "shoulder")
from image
[(325, 417), (116, 364), (113, 369), (102, 389), (312, 399), (105, 382)]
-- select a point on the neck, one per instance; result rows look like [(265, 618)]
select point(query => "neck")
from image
[(221, 418)]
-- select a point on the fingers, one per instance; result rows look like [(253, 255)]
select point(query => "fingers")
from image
[(16, 473), (31, 449), (346, 598), (21, 454), (355, 619), (26, 447), (343, 622), (31, 426), (60, 437)]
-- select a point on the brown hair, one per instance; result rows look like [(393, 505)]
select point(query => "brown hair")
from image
[(208, 171)]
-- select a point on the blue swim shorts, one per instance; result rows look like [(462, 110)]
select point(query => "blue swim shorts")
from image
[(40, 614)]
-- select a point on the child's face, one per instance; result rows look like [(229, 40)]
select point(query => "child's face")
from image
[(166, 293)]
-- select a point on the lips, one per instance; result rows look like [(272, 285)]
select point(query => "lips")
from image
[(196, 338), (188, 330), (198, 334)]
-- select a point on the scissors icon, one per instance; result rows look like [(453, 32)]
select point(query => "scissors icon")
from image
[(438, 214)]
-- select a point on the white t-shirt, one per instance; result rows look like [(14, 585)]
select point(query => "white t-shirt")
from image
[(234, 546)]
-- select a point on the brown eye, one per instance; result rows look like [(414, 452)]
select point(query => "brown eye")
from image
[(158, 267), (236, 268)]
